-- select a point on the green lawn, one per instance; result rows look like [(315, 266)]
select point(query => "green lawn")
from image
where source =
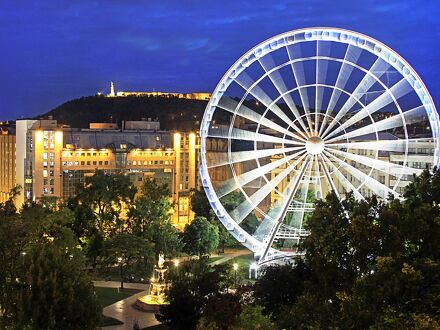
[(243, 261), (107, 321), (108, 296)]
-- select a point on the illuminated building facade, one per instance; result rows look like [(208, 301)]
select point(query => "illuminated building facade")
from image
[(52, 161), (7, 162)]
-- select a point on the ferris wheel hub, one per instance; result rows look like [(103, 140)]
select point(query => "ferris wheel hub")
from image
[(315, 145)]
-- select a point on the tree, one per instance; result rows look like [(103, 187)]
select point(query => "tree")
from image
[(252, 318), (200, 237), (136, 254), (368, 264), (102, 200), (19, 233), (55, 293), (222, 310), (200, 204), (150, 217), (272, 292), (192, 287)]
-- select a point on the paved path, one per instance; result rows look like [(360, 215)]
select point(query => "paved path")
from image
[(231, 254), (116, 284), (125, 312)]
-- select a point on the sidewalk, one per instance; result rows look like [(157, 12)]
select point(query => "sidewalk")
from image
[(116, 284), (231, 254), (125, 312)]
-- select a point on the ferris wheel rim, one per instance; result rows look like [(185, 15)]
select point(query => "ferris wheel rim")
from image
[(250, 241)]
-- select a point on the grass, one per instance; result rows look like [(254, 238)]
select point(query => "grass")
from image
[(243, 261), (108, 296), (107, 321), (157, 327)]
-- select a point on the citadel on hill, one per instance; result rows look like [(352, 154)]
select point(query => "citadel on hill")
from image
[(189, 96)]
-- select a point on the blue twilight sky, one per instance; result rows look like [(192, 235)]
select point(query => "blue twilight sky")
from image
[(53, 51)]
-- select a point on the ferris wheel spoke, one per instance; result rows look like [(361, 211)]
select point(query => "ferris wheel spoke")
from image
[(300, 80), (221, 159), (397, 91), (304, 192), (383, 166), (378, 67), (231, 106), (330, 182), (346, 184), (413, 115), (240, 134), (318, 178), (399, 145), (291, 191), (252, 87), (241, 180), (317, 109), (378, 188), (351, 56), (252, 202), (275, 77)]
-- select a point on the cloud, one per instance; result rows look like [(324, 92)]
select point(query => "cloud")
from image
[(228, 20)]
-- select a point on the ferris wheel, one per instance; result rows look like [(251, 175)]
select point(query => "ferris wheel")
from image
[(304, 113)]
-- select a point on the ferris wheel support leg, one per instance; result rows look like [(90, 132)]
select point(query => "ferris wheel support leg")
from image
[(283, 213)]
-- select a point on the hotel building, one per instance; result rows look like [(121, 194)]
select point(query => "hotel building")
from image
[(52, 160)]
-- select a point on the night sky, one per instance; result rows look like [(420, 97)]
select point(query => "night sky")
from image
[(54, 51)]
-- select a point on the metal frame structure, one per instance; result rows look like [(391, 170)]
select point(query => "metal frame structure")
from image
[(315, 142)]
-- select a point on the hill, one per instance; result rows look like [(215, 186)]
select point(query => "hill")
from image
[(173, 113)]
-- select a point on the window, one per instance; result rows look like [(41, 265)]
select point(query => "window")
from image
[(44, 173), (44, 155)]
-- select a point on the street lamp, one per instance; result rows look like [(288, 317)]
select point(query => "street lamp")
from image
[(235, 267), (120, 272)]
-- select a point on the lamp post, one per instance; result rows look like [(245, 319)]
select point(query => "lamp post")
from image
[(120, 272), (235, 267)]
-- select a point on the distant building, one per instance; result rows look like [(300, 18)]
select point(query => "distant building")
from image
[(190, 96), (7, 162), (52, 161)]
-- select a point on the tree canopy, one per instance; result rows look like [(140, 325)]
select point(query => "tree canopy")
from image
[(200, 237)]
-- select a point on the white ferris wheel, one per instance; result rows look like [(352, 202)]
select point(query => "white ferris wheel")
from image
[(304, 113)]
